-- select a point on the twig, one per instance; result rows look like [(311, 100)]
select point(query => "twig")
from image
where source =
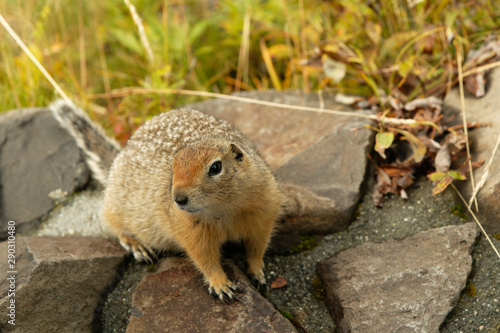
[(30, 55), (486, 173), (138, 91), (475, 219), (464, 117), (142, 34), (481, 68)]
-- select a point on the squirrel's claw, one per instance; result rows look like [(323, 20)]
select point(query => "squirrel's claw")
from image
[(225, 293), (140, 252), (144, 253), (259, 282)]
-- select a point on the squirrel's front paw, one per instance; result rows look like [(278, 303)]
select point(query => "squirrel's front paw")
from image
[(140, 252), (224, 291)]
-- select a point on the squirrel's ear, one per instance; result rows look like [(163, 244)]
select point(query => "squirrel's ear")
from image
[(237, 152)]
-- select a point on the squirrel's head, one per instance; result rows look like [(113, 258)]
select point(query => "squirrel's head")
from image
[(207, 179)]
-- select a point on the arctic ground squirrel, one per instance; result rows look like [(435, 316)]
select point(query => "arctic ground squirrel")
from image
[(187, 181)]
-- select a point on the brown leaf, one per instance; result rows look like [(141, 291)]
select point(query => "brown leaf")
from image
[(405, 181), (280, 282), (394, 171), (487, 53), (457, 141), (442, 161), (378, 193), (475, 84)]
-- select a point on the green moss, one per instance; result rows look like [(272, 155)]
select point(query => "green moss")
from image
[(307, 242), (319, 288), (287, 315), (357, 212), (151, 267), (459, 210), (470, 290), (497, 236)]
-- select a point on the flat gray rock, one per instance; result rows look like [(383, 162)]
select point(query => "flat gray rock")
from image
[(59, 282), (37, 157), (407, 285), (175, 299), (320, 158), (483, 110)]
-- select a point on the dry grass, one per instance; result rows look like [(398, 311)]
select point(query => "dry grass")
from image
[(226, 46)]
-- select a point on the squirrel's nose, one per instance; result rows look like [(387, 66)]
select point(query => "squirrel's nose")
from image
[(180, 199)]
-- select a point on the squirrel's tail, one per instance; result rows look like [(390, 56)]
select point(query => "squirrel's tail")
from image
[(100, 150)]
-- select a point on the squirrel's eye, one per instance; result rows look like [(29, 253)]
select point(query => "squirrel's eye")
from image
[(215, 168)]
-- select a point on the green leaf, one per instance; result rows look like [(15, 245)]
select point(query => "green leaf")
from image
[(395, 42), (436, 176), (198, 29), (406, 66), (128, 40), (457, 175), (383, 141)]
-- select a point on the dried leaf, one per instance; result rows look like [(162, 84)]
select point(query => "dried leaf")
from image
[(456, 142), (442, 185), (430, 101), (455, 174), (280, 282), (419, 149), (475, 84), (335, 70), (394, 171), (383, 140), (487, 53), (374, 32), (405, 181), (347, 99), (443, 159)]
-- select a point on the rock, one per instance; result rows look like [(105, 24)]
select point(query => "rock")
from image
[(59, 282), (320, 158), (38, 158), (175, 299), (79, 215), (483, 110), (407, 285)]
